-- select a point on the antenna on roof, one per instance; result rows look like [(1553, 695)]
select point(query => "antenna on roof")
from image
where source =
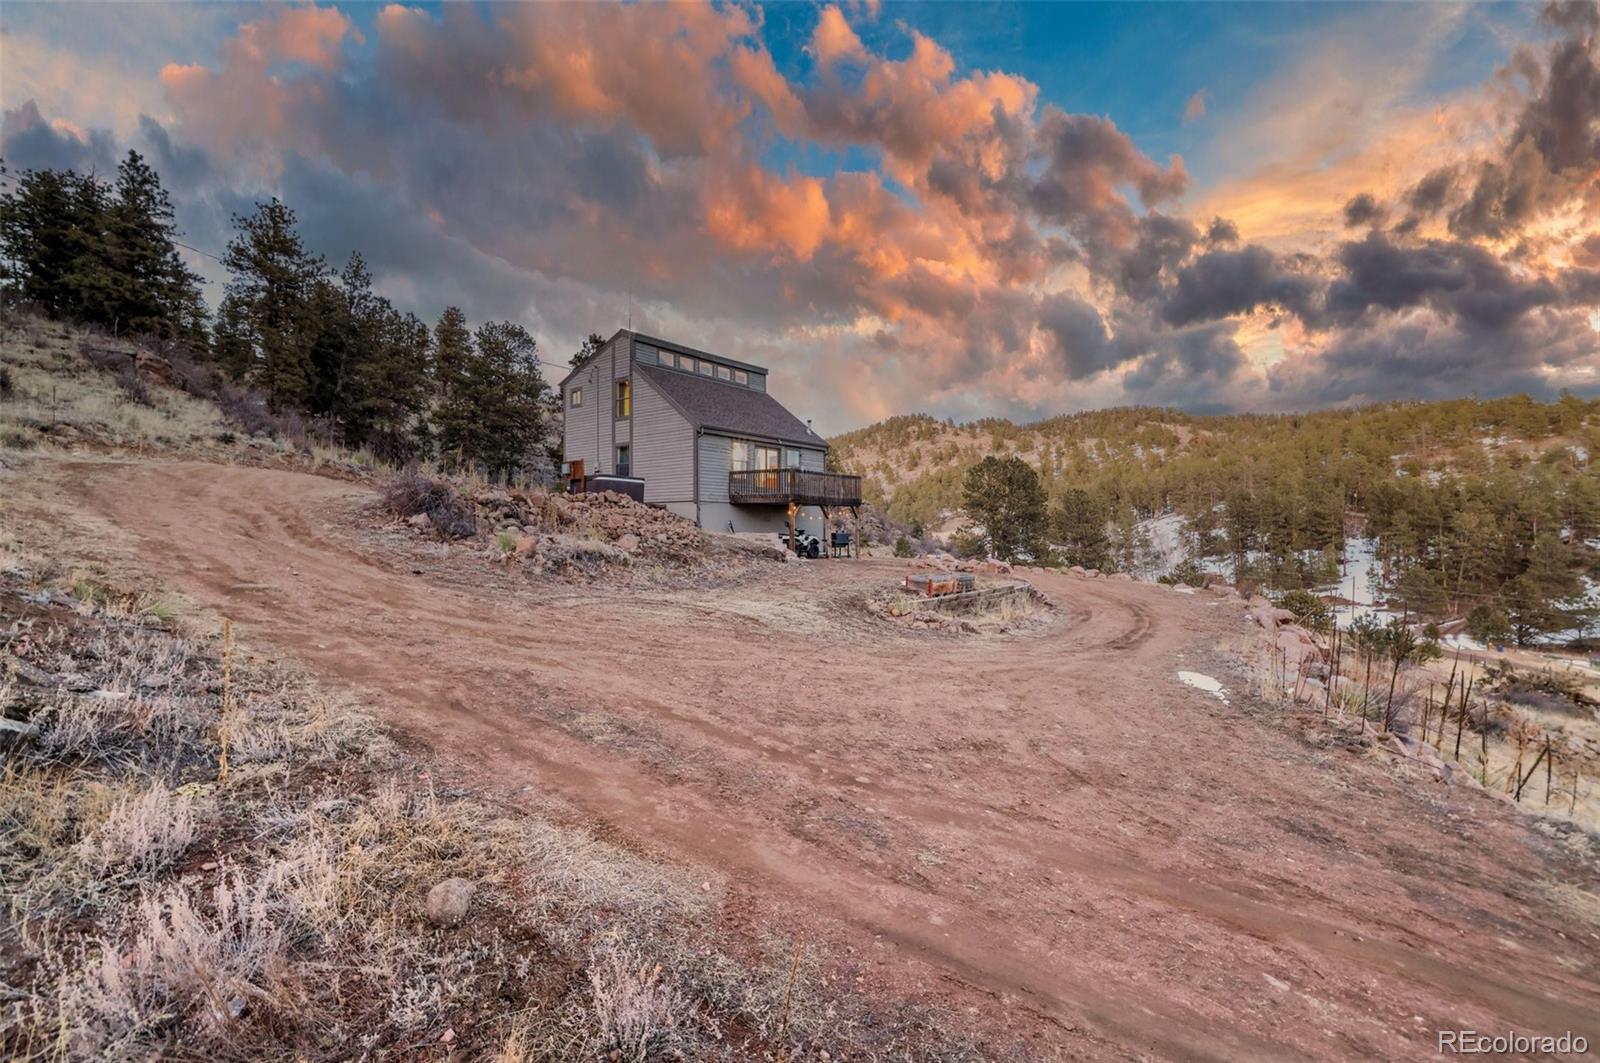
[(630, 309)]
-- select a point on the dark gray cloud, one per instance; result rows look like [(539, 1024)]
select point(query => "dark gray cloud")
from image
[(1554, 144), (1363, 209), (1408, 357), (1220, 284), (1082, 344), (1221, 232), (1458, 280), (28, 142)]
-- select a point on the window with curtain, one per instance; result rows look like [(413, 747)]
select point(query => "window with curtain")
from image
[(624, 390)]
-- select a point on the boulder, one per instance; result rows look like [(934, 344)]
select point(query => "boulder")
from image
[(629, 542), (449, 900)]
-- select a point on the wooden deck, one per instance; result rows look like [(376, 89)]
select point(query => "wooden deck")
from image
[(800, 487)]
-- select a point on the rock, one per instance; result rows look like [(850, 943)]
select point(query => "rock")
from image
[(449, 900), (526, 544), (17, 731), (418, 520), (629, 542), (1078, 570), (1310, 691), (1122, 576)]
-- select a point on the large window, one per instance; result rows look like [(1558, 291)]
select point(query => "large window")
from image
[(624, 398), (745, 456)]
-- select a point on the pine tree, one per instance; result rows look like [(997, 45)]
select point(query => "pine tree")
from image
[(593, 343), (230, 339), (389, 392), (85, 251), (154, 291), (1003, 496), (274, 280), (1537, 601), (1079, 527), (494, 416), (452, 350)]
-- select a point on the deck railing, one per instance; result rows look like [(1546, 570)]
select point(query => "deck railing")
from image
[(801, 486)]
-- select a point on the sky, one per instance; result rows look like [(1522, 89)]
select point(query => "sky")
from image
[(1011, 210)]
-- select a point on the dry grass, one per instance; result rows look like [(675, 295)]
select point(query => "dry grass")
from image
[(281, 913), (57, 394)]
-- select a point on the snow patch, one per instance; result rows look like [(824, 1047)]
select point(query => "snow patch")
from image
[(1200, 681)]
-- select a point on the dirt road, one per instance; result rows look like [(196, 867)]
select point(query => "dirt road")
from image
[(1047, 833)]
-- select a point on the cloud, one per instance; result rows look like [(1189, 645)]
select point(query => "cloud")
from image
[(29, 142), (833, 40), (1363, 209), (936, 234), (1194, 108), (1223, 283)]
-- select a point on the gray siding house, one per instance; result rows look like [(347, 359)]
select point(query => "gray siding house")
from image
[(701, 433)]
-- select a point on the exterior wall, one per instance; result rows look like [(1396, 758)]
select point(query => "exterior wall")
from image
[(814, 460), (591, 434), (581, 440), (715, 460), (664, 453), (715, 516)]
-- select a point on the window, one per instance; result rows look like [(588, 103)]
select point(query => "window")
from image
[(577, 397), (624, 397), (791, 458), (624, 461), (741, 377), (724, 373), (686, 363), (667, 358), (706, 368)]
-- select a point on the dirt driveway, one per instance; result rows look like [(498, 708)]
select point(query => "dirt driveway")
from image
[(1047, 834)]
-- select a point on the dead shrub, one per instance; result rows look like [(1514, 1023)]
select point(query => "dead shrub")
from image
[(8, 386), (145, 833), (207, 968), (410, 493), (133, 386), (636, 1010)]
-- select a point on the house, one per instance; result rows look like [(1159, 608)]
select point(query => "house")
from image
[(698, 434)]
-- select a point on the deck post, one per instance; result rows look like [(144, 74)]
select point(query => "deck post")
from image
[(793, 508)]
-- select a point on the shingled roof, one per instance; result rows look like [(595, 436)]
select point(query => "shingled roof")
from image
[(721, 406)]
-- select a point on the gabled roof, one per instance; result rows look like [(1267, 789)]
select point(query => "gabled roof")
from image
[(722, 406)]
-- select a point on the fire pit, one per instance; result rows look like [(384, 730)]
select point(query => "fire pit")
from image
[(938, 584)]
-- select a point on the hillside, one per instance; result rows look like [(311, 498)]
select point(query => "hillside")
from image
[(1463, 506), (1164, 458)]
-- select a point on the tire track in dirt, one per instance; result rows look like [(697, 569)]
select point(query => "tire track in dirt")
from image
[(419, 646)]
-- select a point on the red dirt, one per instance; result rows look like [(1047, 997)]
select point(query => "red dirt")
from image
[(1047, 834)]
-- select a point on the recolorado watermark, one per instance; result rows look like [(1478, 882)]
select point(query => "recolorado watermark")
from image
[(1476, 1043)]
